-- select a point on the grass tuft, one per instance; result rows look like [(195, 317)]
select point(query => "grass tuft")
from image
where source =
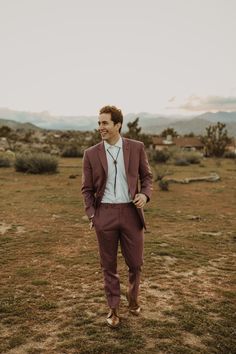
[(36, 163)]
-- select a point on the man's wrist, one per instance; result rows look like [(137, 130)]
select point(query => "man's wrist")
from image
[(145, 196)]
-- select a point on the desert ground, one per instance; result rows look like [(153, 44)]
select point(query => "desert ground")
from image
[(51, 284)]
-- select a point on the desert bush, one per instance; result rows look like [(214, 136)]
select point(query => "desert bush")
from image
[(184, 158), (230, 155), (46, 149), (71, 151), (216, 140), (163, 185), (160, 171), (181, 162), (218, 162), (193, 157), (161, 156), (4, 161), (36, 163)]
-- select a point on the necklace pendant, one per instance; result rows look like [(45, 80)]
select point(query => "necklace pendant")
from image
[(115, 162)]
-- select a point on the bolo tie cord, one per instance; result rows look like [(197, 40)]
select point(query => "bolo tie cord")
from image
[(115, 163)]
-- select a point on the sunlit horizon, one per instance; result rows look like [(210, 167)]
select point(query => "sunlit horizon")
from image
[(70, 58)]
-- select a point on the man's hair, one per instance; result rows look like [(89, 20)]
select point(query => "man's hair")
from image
[(116, 114)]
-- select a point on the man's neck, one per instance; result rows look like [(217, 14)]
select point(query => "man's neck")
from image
[(113, 141)]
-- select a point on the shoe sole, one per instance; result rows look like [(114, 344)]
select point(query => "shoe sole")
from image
[(135, 312), (113, 327)]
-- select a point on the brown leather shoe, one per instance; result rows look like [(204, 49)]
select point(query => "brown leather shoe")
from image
[(134, 308), (135, 311), (113, 319)]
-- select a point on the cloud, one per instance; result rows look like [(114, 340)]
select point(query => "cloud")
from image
[(172, 99), (209, 103)]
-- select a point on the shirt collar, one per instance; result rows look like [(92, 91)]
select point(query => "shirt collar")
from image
[(118, 144)]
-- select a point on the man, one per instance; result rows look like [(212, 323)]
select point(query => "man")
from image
[(116, 184)]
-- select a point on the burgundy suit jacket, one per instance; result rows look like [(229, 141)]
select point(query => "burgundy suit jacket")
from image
[(138, 173)]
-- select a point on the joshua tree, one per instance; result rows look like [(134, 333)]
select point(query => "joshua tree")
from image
[(169, 131), (215, 140), (5, 131), (134, 132)]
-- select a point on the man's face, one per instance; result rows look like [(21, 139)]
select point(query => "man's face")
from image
[(108, 130)]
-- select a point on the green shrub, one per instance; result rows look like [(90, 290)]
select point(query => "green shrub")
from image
[(161, 156), (36, 163), (159, 172), (4, 161), (72, 151), (230, 155), (164, 185), (218, 162), (185, 158), (193, 157), (181, 162)]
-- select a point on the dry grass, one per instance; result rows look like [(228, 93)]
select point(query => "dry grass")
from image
[(51, 291)]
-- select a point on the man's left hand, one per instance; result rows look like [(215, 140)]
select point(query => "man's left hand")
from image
[(140, 200)]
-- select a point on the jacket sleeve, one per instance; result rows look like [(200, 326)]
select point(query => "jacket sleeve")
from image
[(87, 186), (145, 174)]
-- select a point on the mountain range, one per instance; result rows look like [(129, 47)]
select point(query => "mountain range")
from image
[(150, 123), (16, 125)]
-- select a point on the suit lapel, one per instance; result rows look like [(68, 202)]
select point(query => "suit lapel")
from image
[(102, 156), (126, 153)]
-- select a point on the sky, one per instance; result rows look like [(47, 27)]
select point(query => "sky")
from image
[(71, 57)]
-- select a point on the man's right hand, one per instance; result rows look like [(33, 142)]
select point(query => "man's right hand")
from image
[(91, 225)]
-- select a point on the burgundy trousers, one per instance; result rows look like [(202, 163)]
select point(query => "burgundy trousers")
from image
[(114, 224)]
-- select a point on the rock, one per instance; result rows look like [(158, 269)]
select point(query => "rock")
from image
[(193, 217), (55, 152), (85, 218), (54, 216), (4, 228), (73, 176), (163, 244), (217, 234)]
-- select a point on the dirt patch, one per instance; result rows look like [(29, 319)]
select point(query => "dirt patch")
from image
[(51, 284)]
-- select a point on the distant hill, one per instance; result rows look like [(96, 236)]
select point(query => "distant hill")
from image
[(16, 125), (83, 123), (150, 123), (196, 125), (224, 117)]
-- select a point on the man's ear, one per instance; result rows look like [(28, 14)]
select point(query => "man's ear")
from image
[(118, 125)]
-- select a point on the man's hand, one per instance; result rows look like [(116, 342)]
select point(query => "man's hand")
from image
[(91, 225), (140, 200)]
